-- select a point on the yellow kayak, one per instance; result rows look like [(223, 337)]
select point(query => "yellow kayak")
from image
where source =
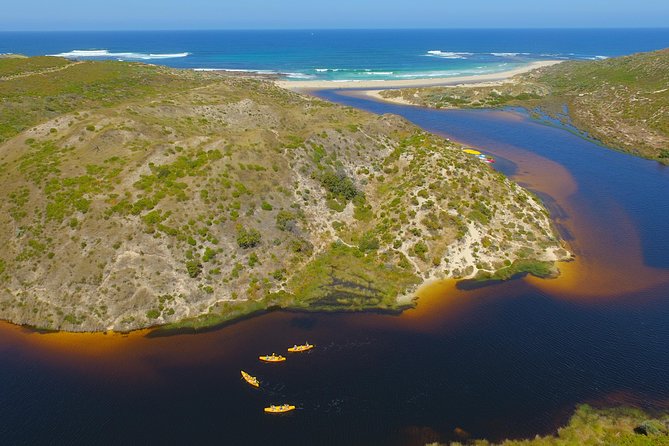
[(250, 379), (272, 358), (472, 151), (300, 348), (283, 408)]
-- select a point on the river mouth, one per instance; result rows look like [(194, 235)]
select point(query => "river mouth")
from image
[(507, 360)]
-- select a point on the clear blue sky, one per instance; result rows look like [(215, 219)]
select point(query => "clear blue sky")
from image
[(236, 14)]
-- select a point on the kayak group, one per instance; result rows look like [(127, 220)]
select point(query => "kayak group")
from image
[(253, 381)]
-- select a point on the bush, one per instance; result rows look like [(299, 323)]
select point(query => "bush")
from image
[(368, 242), (194, 268), (340, 185), (248, 239), (208, 254), (265, 206), (286, 221), (420, 249)]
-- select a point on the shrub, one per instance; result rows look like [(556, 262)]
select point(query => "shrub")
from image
[(286, 221), (265, 206), (208, 254), (368, 242), (420, 249), (339, 185), (248, 238), (194, 268)]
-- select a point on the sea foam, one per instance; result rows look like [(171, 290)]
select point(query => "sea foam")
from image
[(509, 54), (78, 54), (238, 70), (448, 54)]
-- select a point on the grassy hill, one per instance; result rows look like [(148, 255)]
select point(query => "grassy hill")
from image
[(136, 195), (623, 102)]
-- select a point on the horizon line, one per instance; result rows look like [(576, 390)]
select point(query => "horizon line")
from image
[(342, 29)]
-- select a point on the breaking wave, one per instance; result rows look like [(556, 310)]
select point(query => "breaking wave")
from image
[(301, 76), (509, 54), (448, 54), (238, 70), (106, 54)]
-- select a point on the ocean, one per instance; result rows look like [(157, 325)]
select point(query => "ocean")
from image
[(340, 55)]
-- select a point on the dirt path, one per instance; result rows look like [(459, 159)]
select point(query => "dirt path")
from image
[(31, 73)]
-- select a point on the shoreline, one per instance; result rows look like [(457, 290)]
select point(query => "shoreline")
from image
[(502, 76)]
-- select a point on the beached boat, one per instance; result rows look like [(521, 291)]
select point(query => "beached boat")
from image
[(283, 408), (252, 380), (300, 348), (471, 151), (272, 358)]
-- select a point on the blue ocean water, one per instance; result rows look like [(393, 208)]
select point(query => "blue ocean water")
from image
[(342, 54)]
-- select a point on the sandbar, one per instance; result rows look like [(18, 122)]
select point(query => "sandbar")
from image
[(405, 83)]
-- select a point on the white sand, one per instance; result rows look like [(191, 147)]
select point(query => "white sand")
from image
[(383, 84)]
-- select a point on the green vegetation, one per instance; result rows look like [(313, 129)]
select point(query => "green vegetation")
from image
[(348, 278), (19, 65), (33, 99), (217, 316), (286, 220), (248, 238), (339, 185), (594, 427), (536, 268), (619, 101)]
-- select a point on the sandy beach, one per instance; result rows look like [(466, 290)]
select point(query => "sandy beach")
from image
[(385, 84)]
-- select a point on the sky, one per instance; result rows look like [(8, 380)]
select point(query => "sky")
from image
[(33, 15)]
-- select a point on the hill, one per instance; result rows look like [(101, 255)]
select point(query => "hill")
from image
[(136, 195), (623, 102)]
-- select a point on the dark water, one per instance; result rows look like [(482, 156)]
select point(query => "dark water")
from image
[(343, 54), (510, 360)]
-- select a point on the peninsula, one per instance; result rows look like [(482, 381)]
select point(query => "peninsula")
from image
[(136, 195)]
